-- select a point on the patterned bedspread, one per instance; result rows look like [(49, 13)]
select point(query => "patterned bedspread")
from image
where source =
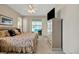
[(23, 40)]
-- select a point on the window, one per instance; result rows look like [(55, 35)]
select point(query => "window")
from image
[(19, 22), (49, 25), (36, 26)]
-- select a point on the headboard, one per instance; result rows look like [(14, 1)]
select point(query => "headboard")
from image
[(4, 31), (6, 28)]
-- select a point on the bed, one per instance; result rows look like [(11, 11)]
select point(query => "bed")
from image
[(23, 43)]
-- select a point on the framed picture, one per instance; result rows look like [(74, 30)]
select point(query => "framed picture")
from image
[(6, 20)]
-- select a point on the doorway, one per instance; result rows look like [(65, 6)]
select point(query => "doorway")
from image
[(37, 26)]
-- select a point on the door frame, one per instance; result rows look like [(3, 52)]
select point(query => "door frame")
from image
[(61, 34)]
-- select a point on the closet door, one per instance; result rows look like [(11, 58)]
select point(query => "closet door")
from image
[(56, 38)]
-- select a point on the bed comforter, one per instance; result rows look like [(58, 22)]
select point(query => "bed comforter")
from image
[(25, 42)]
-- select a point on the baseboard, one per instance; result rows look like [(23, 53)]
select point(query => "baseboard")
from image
[(56, 49), (67, 52)]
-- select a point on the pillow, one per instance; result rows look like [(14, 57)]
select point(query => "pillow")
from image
[(2, 34), (7, 33), (16, 32), (12, 32)]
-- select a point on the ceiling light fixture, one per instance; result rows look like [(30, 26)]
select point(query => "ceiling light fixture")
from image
[(31, 9)]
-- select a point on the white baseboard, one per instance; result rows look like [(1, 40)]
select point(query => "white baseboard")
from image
[(56, 49), (68, 52)]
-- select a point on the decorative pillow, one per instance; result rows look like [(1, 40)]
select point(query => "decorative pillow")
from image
[(12, 32)]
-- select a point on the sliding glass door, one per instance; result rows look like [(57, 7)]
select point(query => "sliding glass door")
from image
[(36, 26)]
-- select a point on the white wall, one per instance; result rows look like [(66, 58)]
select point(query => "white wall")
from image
[(70, 15), (6, 11), (24, 25), (44, 26), (27, 24)]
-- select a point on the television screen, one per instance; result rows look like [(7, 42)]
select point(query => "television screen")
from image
[(51, 14)]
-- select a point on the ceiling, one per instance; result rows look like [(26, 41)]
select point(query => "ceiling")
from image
[(42, 9)]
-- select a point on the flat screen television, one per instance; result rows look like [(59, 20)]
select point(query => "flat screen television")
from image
[(51, 14)]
